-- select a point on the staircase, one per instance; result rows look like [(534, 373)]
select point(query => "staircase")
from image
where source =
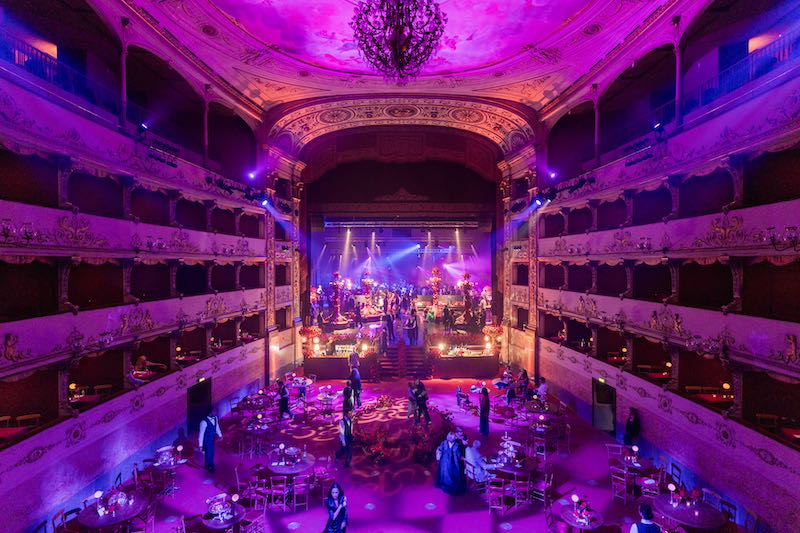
[(389, 364), (417, 365)]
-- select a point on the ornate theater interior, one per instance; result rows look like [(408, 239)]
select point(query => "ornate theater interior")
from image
[(400, 266)]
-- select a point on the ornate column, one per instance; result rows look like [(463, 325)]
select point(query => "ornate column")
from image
[(678, 84), (237, 273), (127, 271), (596, 102), (64, 408), (593, 348), (128, 185), (206, 95), (237, 330), (173, 278), (734, 165), (209, 275), (673, 185), (593, 266), (123, 86), (627, 196), (737, 275), (173, 352), (674, 360), (628, 263), (127, 366), (209, 205), (593, 208), (565, 215), (628, 365), (565, 286), (674, 277), (173, 196), (64, 265), (64, 164), (237, 220)]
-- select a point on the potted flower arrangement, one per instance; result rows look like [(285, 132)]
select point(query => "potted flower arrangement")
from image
[(581, 509)]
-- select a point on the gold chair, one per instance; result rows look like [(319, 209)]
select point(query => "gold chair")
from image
[(619, 483), (301, 489), (543, 489), (500, 499)]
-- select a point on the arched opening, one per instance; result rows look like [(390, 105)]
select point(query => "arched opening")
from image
[(732, 43), (66, 43), (160, 99), (232, 144), (639, 100), (571, 143)]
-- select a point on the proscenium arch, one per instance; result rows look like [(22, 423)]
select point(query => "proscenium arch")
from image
[(507, 125)]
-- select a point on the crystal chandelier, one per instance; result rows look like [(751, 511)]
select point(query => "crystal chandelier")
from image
[(397, 37)]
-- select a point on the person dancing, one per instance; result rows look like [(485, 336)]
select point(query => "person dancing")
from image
[(336, 505)]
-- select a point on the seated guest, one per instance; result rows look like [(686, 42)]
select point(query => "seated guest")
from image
[(511, 395), (523, 381), (645, 525), (542, 389), (143, 365), (461, 397), (412, 402), (480, 466)]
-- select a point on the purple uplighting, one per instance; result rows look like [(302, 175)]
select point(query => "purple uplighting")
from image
[(408, 266)]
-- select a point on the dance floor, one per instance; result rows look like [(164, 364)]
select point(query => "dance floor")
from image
[(399, 494)]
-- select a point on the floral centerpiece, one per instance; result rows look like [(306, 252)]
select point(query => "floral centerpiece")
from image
[(112, 501), (310, 332), (493, 331), (581, 509), (683, 496)]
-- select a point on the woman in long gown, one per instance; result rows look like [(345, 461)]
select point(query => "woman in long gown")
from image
[(336, 505), (450, 471), (485, 406)]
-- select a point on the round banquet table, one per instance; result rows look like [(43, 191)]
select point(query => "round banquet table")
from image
[(642, 464), (595, 519), (167, 467), (698, 516), (299, 383), (500, 383), (304, 464), (238, 515), (89, 517), (527, 468)]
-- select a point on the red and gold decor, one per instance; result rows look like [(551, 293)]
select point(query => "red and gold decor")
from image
[(435, 282)]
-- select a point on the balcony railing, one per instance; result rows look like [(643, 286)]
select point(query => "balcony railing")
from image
[(15, 50)]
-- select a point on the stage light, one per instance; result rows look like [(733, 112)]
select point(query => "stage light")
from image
[(419, 245), (441, 347), (486, 338), (364, 347), (252, 175), (656, 126), (200, 380), (553, 174), (141, 129), (601, 380), (538, 201), (488, 345)]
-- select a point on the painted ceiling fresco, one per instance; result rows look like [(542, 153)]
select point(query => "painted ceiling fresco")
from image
[(478, 32)]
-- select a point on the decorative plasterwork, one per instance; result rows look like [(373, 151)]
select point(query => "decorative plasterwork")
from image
[(507, 129), (775, 460)]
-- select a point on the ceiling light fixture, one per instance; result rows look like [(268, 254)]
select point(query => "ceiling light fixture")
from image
[(397, 37)]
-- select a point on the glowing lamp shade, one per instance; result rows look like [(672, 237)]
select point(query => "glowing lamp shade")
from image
[(541, 417), (235, 498), (364, 347), (671, 487), (282, 446), (726, 386), (178, 348), (635, 449), (259, 416), (98, 494), (575, 498), (73, 386), (668, 364), (441, 347), (261, 391), (179, 448), (624, 350)]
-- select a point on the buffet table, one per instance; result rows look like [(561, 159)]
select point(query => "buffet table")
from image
[(471, 366)]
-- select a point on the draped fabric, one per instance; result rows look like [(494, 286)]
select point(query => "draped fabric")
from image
[(450, 473), (777, 260), (25, 259)]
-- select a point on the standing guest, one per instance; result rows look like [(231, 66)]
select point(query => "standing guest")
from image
[(414, 326), (511, 395), (347, 398), (632, 427), (336, 504), (412, 403), (542, 389), (283, 400), (408, 327), (359, 321), (523, 381), (346, 439), (354, 360), (209, 432), (483, 410), (450, 471), (383, 342), (422, 403), (645, 525), (480, 466), (390, 326), (355, 382), (447, 319), (320, 320)]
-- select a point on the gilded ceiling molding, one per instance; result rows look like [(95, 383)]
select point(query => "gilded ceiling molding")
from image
[(505, 128)]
